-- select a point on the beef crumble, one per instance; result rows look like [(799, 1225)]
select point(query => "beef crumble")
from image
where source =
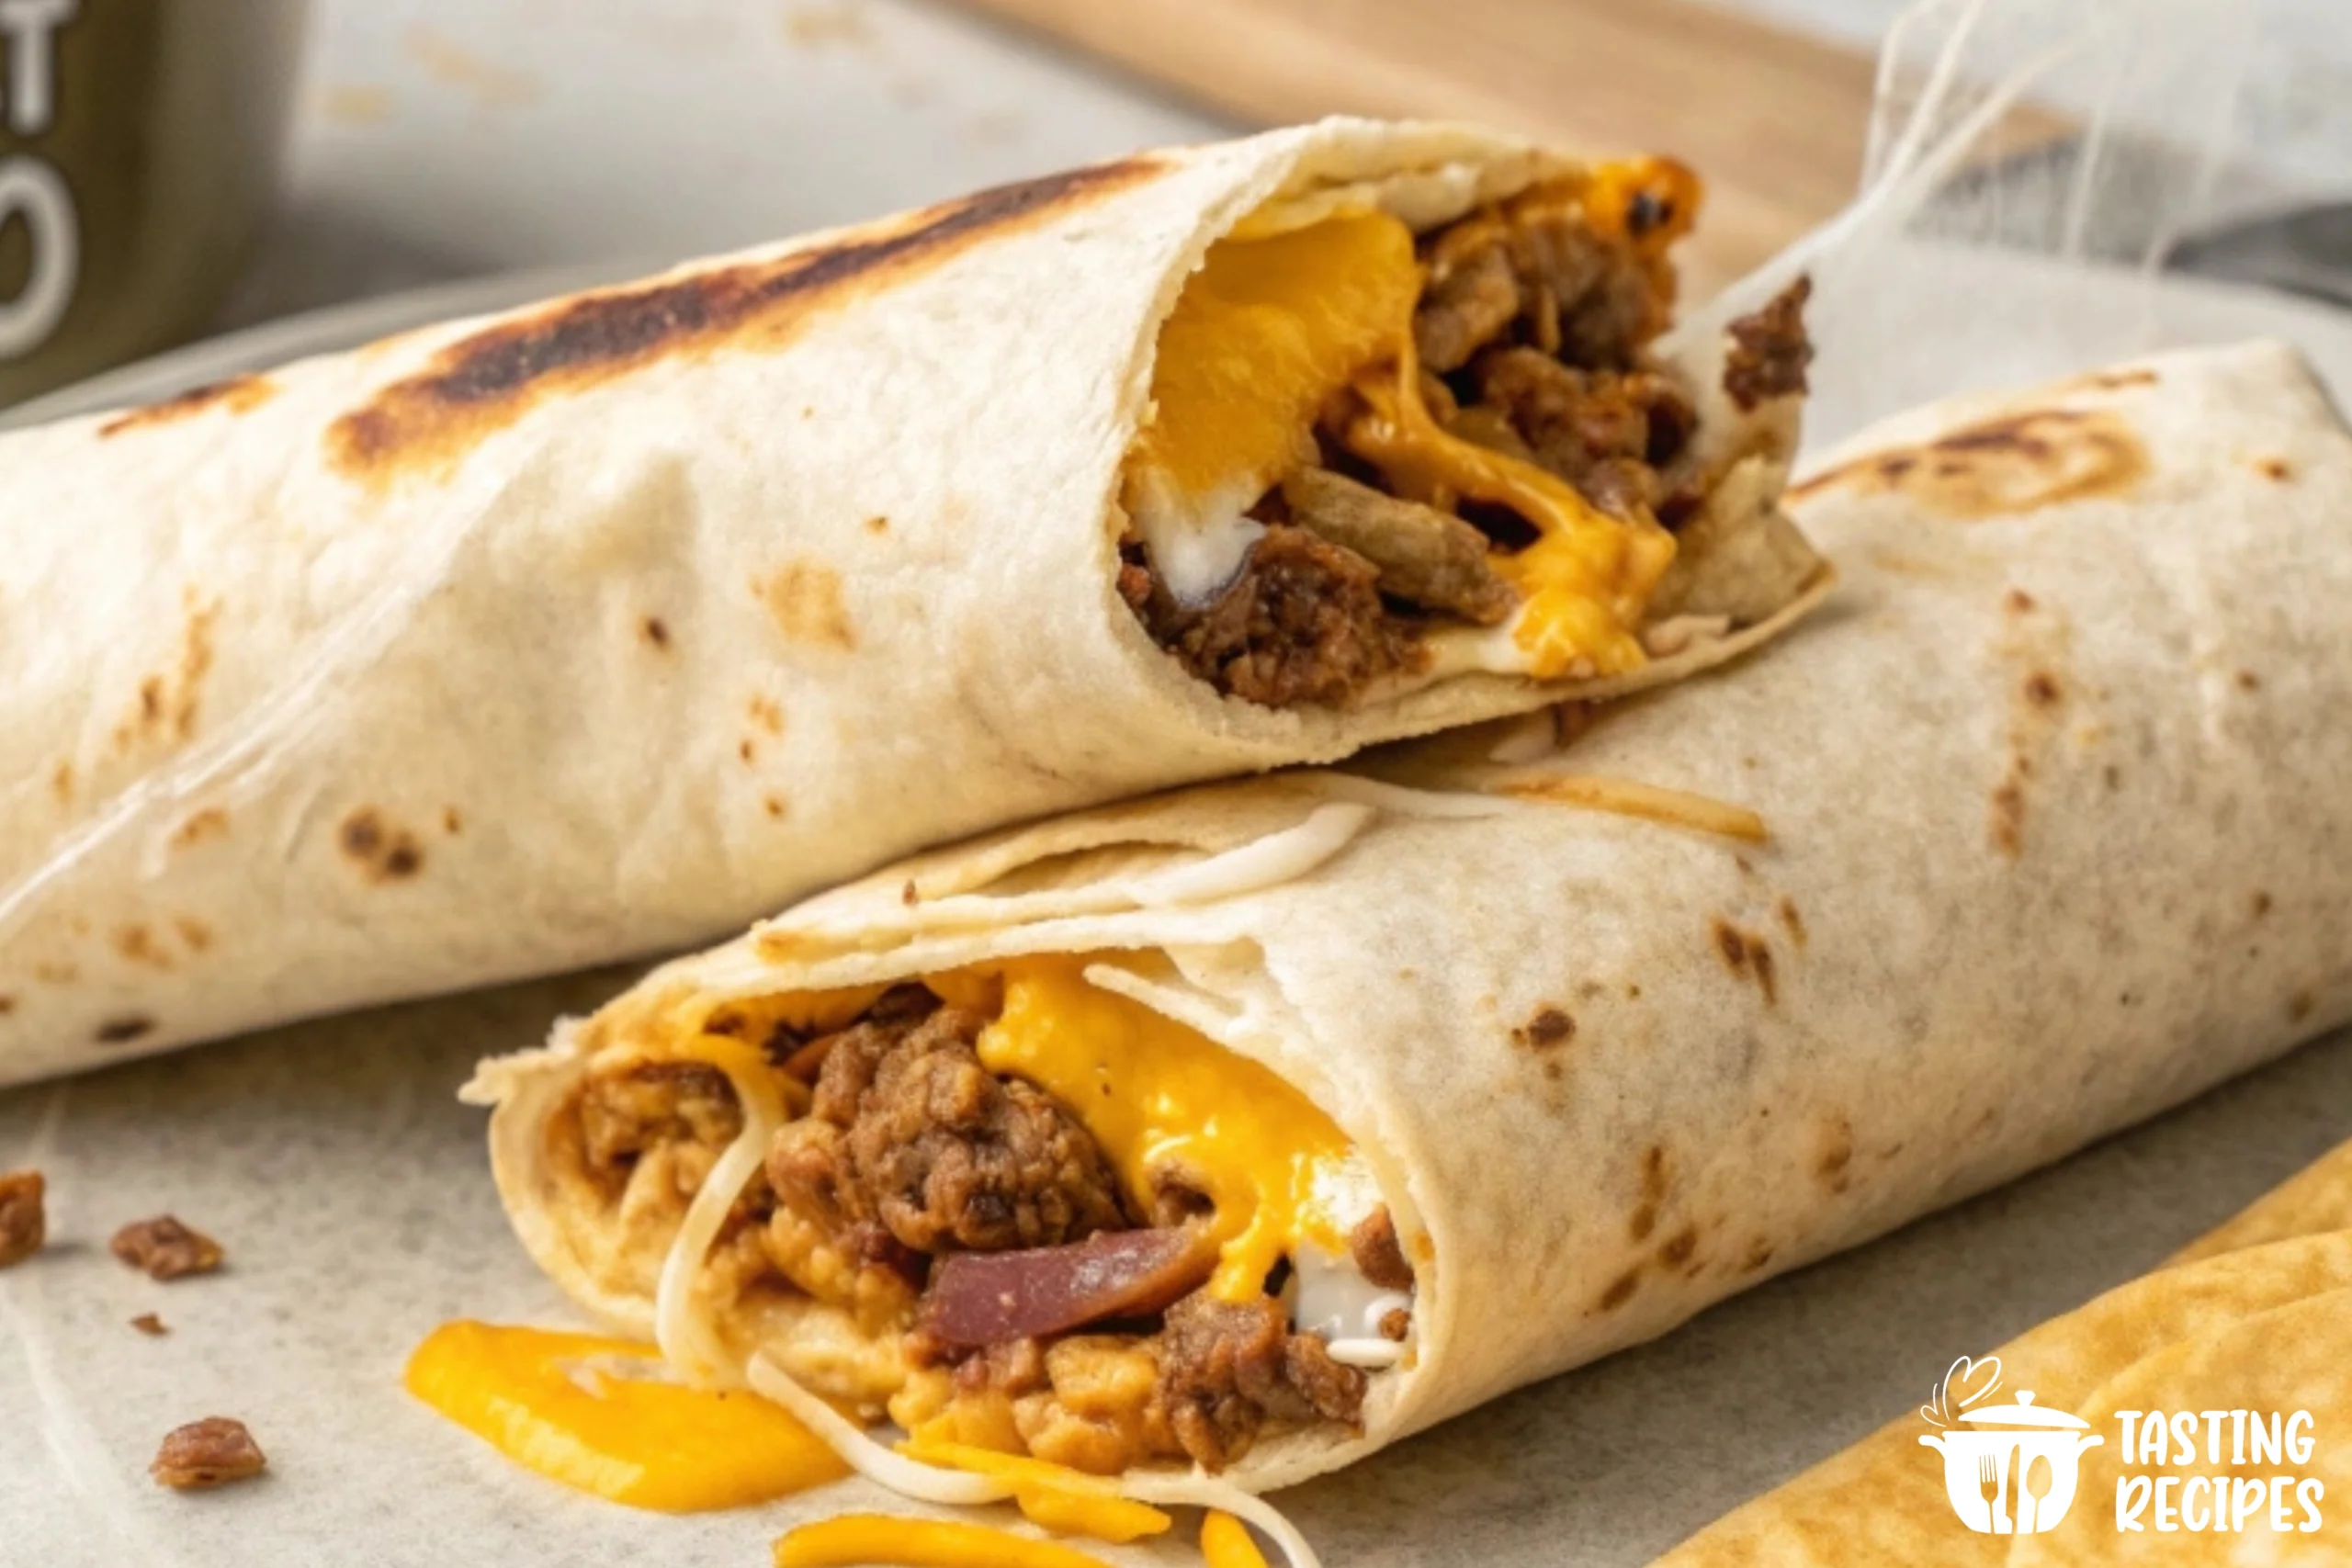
[(906, 1130), (1770, 349), (165, 1249), (23, 1217), (1301, 623), (207, 1453), (1226, 1368)]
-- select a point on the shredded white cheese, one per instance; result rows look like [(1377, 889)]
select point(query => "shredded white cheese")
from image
[(1263, 863), (681, 1326)]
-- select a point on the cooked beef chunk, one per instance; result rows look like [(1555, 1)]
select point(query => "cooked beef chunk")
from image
[(1536, 272), (1604, 432), (1226, 1369), (1473, 295), (1301, 623), (1428, 556), (906, 1130), (1378, 1258), (624, 1113), (1770, 350), (210, 1453), (24, 1218), (165, 1249)]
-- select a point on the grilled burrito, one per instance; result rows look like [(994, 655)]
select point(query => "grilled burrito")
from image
[(606, 625), (1248, 1129)]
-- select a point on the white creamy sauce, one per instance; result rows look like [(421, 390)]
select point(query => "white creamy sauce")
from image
[(1198, 542)]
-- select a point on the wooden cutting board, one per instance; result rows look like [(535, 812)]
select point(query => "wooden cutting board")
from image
[(1775, 121)]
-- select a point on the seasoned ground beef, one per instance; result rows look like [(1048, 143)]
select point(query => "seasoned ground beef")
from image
[(210, 1453), (907, 1131), (623, 1114), (1770, 350), (1224, 1369), (24, 1219), (1377, 1256), (1605, 432), (1301, 623), (165, 1249)]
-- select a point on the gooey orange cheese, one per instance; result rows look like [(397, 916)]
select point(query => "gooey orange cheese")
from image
[(1162, 1099), (564, 1405), (1270, 329)]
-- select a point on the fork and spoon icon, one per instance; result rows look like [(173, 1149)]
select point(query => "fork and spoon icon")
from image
[(1991, 1482)]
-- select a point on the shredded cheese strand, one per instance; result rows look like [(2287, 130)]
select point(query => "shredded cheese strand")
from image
[(1066, 1501), (688, 1340), (1404, 801), (1225, 1543), (1263, 862), (1198, 1490), (876, 1462), (1676, 809), (854, 1539)]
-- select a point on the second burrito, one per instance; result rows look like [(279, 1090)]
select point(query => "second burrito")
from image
[(1243, 1131)]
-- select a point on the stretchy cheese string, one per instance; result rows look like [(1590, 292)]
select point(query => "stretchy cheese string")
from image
[(681, 1324)]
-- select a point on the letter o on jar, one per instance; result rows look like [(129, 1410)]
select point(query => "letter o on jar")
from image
[(33, 193)]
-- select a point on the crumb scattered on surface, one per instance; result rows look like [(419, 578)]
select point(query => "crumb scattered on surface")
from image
[(165, 1249), (210, 1453), (147, 1323), (24, 1218)]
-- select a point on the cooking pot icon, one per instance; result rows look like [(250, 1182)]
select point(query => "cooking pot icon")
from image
[(2013, 1472)]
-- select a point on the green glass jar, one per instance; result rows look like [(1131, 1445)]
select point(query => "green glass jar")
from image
[(139, 144)]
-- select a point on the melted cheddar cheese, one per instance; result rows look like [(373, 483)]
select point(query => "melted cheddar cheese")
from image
[(920, 1544), (1054, 1497), (563, 1405), (1165, 1101), (1270, 330)]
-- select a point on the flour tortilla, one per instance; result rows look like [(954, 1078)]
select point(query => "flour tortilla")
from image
[(2055, 835), (606, 625)]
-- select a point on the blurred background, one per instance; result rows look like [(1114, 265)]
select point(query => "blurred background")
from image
[(232, 161)]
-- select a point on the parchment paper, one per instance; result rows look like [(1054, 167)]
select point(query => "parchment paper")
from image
[(352, 1194)]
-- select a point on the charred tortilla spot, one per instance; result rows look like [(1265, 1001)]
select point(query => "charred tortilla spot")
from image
[(167, 705), (2249, 680), (2301, 1005), (60, 783), (211, 822), (238, 394), (2042, 689), (138, 944), (485, 382), (1835, 1153), (878, 523), (1746, 954), (1790, 920), (2017, 602), (1621, 1289), (766, 713), (804, 598), (2003, 468), (656, 631), (194, 932), (1654, 1173), (2261, 905), (452, 821), (7, 1003), (1644, 1220), (122, 1030), (1760, 1253), (2276, 469), (1550, 1027), (384, 852), (773, 804), (1677, 1249), (2008, 815)]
